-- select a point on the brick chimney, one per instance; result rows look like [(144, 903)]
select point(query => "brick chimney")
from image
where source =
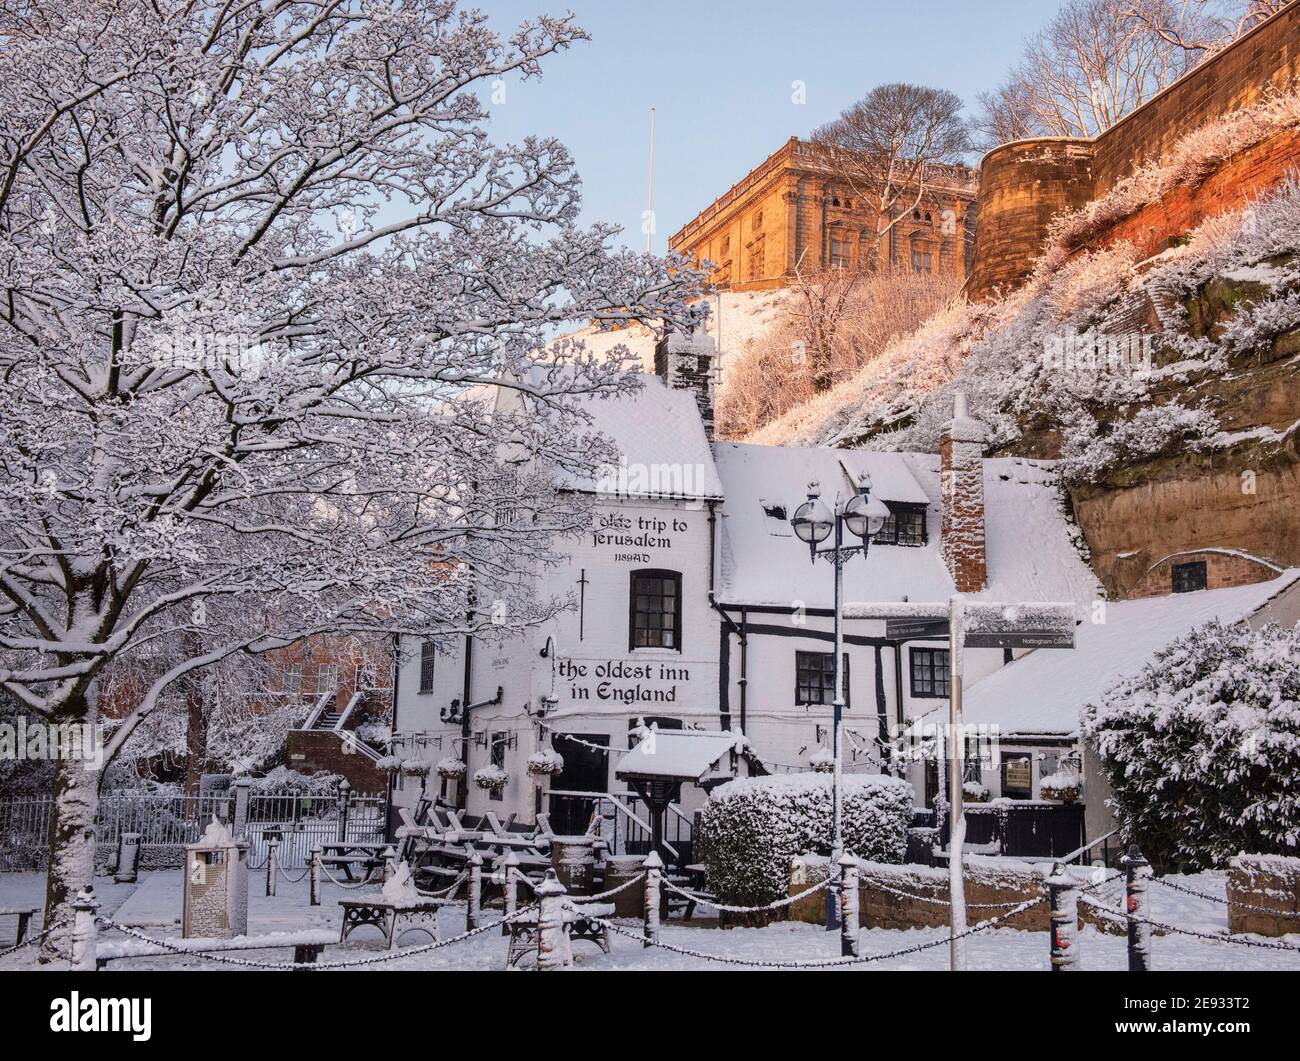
[(687, 361), (961, 452)]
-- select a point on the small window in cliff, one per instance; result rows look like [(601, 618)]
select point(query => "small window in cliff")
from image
[(1189, 577)]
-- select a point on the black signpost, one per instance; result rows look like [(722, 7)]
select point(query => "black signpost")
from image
[(910, 629), (1021, 639)]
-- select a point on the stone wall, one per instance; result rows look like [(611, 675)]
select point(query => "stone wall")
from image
[(1023, 185), (987, 880), (1268, 881)]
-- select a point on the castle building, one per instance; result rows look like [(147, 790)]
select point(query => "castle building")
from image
[(793, 212)]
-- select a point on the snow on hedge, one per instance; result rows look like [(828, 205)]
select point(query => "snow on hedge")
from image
[(753, 827), (1202, 747)]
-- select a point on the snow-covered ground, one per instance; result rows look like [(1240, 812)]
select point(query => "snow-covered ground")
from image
[(154, 907)]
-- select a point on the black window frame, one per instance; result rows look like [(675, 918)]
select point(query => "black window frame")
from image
[(917, 533), (824, 672), (934, 670), (633, 629), (1179, 577), (428, 667), (1018, 758)]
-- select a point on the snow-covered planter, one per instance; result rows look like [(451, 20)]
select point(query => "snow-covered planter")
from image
[(974, 792), (753, 827), (451, 769), (391, 763), (416, 768), (822, 761), (1202, 747), (491, 779), (545, 763), (1063, 786)]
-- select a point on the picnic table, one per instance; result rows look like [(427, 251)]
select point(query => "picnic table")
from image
[(393, 919), (368, 855)]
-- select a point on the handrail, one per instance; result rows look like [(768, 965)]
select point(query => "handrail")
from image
[(347, 711), (1065, 859), (316, 711), (350, 738), (619, 805)]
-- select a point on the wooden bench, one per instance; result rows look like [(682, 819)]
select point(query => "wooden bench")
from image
[(392, 919), (24, 915), (307, 946), (578, 924), (366, 856)]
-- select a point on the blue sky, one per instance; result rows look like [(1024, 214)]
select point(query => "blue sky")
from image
[(719, 73)]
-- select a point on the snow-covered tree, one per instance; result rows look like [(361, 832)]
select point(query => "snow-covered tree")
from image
[(1202, 748), (254, 256)]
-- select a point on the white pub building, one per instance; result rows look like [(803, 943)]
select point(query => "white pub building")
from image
[(697, 608)]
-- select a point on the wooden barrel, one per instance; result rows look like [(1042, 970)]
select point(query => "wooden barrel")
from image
[(619, 869), (574, 861)]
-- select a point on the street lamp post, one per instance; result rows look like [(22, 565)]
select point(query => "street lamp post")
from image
[(813, 522)]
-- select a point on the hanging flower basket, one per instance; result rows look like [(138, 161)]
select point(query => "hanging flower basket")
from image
[(391, 763), (974, 792), (545, 763), (416, 768), (491, 779), (451, 768), (823, 762), (1063, 786)]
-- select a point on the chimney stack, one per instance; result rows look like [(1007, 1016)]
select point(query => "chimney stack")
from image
[(686, 361), (961, 452)]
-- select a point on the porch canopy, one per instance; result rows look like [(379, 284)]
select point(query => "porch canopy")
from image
[(657, 767)]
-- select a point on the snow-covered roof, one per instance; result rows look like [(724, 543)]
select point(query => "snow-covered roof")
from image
[(661, 437), (1030, 548), (1045, 691), (682, 754)]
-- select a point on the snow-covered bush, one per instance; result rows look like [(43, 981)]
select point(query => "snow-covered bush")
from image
[(545, 763), (1202, 748), (753, 827), (491, 779)]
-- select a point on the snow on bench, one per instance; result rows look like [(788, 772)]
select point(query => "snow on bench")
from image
[(111, 950)]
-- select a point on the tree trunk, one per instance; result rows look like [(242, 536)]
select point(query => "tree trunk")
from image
[(72, 849), (196, 735)]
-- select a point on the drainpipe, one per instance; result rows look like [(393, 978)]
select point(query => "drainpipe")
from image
[(739, 629), (462, 789)]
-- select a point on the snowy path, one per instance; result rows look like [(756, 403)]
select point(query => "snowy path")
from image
[(154, 906)]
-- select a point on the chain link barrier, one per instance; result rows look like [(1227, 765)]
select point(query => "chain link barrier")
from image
[(377, 959), (1241, 941), (819, 963), (31, 941), (1223, 902), (713, 904)]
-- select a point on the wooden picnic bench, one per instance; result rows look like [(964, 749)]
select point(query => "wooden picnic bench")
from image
[(306, 945), (578, 924), (24, 915), (366, 855), (394, 920)]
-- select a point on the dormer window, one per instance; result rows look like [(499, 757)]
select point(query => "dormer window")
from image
[(904, 526), (777, 518)]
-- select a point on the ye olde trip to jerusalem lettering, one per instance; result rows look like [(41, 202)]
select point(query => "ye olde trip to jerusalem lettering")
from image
[(646, 532)]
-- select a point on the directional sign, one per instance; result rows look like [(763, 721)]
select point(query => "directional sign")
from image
[(1021, 639), (905, 629)]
